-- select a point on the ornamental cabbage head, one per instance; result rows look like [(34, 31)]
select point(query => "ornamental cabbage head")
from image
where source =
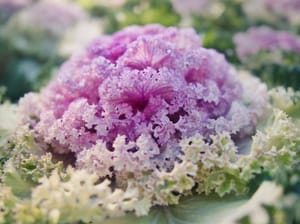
[(264, 38), (37, 29), (123, 105)]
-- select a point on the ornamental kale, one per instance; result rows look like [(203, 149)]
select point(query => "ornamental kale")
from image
[(273, 55), (142, 118), (265, 38), (125, 106), (36, 30), (135, 95)]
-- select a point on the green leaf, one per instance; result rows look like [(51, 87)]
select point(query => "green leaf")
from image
[(20, 187), (190, 210), (213, 209)]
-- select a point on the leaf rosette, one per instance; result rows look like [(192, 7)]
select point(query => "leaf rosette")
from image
[(144, 118)]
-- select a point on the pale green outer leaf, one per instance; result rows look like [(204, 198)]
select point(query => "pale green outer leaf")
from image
[(211, 210), (268, 194), (19, 187), (191, 210)]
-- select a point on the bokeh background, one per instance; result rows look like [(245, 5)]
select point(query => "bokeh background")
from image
[(36, 36)]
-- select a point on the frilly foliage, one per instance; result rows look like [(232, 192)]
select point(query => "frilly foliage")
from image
[(50, 193), (287, 100), (77, 198), (72, 197)]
